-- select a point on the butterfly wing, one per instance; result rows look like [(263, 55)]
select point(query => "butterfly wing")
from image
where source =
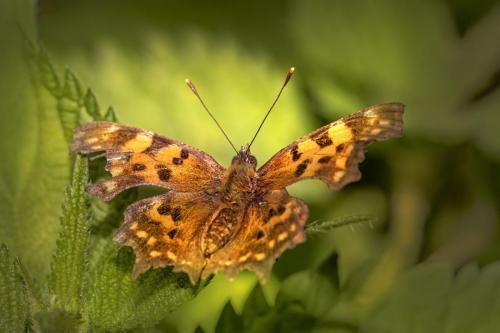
[(166, 230), (333, 152), (138, 157), (270, 226)]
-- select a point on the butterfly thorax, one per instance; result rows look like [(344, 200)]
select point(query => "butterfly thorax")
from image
[(236, 190)]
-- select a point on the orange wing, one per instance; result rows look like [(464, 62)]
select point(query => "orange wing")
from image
[(166, 230), (270, 226), (333, 152), (137, 157)]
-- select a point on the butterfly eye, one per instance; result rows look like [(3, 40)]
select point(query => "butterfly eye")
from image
[(252, 160)]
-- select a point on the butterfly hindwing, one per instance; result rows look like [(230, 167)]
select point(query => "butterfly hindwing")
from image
[(166, 230), (333, 152), (138, 157), (269, 227)]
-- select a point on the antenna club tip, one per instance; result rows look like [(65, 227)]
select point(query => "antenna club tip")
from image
[(191, 86), (289, 76)]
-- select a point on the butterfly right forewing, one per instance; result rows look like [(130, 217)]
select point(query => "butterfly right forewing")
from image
[(333, 152)]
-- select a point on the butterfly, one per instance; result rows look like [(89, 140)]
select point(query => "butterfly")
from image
[(215, 219)]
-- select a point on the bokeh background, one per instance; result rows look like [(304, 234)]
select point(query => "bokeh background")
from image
[(434, 194)]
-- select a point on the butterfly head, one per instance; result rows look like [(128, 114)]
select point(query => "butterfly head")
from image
[(245, 157)]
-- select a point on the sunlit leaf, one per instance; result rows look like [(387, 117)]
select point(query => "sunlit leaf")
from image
[(69, 262)]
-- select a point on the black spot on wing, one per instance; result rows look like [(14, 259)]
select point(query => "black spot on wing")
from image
[(323, 140), (172, 233), (259, 234), (176, 214), (138, 167), (301, 168), (164, 209), (157, 143), (295, 153), (324, 159), (164, 174)]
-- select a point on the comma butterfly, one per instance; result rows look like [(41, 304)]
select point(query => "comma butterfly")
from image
[(215, 219)]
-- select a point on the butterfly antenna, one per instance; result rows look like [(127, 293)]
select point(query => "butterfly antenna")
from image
[(193, 89), (288, 77)]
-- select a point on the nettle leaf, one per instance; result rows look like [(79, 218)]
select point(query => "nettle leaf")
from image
[(258, 315), (117, 302), (91, 105), (229, 321), (428, 298), (256, 304), (56, 321), (69, 104), (15, 308), (48, 75), (311, 290), (69, 262), (110, 115)]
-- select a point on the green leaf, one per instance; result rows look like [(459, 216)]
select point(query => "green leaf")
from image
[(72, 87), (69, 105), (117, 302), (110, 115), (428, 298), (302, 301), (58, 321), (474, 306), (256, 304), (257, 314), (15, 312), (91, 105), (418, 302), (311, 290), (48, 75), (229, 321), (318, 227), (69, 262)]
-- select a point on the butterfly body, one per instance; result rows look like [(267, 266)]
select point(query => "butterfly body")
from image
[(215, 219)]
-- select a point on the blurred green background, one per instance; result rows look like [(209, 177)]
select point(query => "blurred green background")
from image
[(435, 192)]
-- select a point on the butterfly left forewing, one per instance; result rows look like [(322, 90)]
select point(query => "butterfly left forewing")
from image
[(138, 157), (270, 226), (333, 152)]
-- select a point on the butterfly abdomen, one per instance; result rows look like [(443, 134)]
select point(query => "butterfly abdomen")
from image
[(220, 230)]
